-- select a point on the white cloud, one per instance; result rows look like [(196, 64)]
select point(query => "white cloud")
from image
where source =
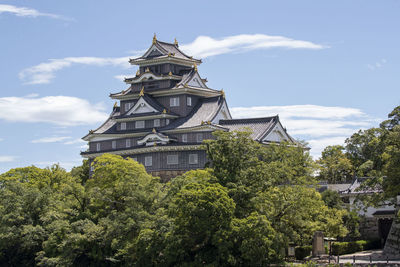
[(53, 139), (75, 141), (58, 110), (377, 65), (44, 72), (7, 158), (202, 46), (318, 145), (205, 46), (319, 125), (28, 12)]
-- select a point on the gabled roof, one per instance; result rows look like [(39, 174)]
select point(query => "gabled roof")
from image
[(191, 79), (205, 110), (259, 126), (160, 50), (148, 104)]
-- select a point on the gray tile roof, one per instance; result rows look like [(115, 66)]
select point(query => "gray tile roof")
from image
[(259, 126), (205, 110)]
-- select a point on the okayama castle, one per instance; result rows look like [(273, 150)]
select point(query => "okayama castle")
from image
[(166, 113)]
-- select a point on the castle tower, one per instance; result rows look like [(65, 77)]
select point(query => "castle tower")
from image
[(166, 112)]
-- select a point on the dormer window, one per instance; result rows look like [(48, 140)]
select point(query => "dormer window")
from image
[(174, 101)]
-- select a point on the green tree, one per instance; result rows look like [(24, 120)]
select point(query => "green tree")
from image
[(334, 166), (364, 149)]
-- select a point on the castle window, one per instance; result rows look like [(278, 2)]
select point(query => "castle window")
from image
[(128, 106), (167, 121), (128, 143), (157, 123), (172, 159), (174, 101), (199, 137), (114, 144), (139, 124), (193, 159), (184, 138), (148, 161), (189, 101), (123, 125), (98, 146)]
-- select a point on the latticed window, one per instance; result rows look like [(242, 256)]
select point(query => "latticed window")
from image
[(184, 138), (98, 146), (174, 101), (148, 161), (114, 144), (157, 123), (139, 124), (128, 142), (189, 101), (123, 125), (172, 159), (193, 159), (199, 137)]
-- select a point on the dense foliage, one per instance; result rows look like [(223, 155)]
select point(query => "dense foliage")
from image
[(243, 210), (373, 153)]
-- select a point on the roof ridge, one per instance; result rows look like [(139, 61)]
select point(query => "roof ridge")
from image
[(260, 119)]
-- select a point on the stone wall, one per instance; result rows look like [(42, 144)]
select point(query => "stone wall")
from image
[(392, 246), (369, 228)]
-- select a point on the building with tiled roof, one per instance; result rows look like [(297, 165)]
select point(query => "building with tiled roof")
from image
[(167, 111)]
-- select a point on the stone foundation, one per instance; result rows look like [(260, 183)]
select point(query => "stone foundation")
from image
[(392, 246), (369, 228)]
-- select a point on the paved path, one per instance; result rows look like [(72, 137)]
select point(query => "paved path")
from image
[(364, 257)]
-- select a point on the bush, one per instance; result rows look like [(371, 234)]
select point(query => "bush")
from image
[(340, 248), (302, 252)]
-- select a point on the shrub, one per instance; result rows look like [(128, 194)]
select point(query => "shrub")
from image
[(302, 252), (340, 248)]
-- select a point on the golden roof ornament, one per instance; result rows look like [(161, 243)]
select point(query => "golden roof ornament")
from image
[(164, 111), (202, 122), (154, 38), (138, 73), (154, 130), (115, 104), (223, 93), (173, 54), (169, 73), (147, 69), (209, 122), (195, 67), (169, 54), (185, 85), (175, 42), (154, 144), (141, 91), (91, 131)]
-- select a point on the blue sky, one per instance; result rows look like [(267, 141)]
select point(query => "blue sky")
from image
[(328, 68)]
